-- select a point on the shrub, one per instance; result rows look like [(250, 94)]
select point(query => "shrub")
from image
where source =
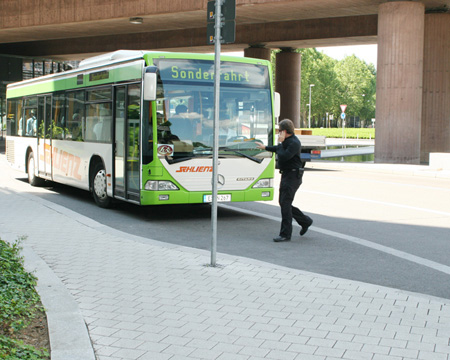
[(17, 350), (19, 302)]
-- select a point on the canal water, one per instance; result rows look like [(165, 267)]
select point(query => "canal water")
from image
[(354, 158), (351, 158)]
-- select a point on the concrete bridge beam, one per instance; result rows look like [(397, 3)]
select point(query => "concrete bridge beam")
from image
[(258, 52)]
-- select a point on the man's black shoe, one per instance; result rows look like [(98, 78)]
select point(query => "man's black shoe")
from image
[(281, 238), (305, 229)]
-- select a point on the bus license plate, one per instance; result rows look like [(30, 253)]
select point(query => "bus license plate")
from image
[(220, 198)]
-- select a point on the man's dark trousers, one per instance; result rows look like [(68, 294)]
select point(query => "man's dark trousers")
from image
[(290, 182)]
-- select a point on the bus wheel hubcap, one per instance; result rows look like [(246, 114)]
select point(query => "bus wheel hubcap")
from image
[(100, 184)]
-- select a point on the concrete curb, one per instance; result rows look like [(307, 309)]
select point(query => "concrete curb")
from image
[(69, 337), (397, 169)]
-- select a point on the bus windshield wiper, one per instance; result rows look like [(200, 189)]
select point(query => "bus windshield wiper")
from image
[(177, 160), (186, 158), (258, 160)]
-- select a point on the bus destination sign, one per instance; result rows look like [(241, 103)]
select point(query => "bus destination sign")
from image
[(203, 71)]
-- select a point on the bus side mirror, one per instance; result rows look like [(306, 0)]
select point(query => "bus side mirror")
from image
[(150, 85), (277, 105)]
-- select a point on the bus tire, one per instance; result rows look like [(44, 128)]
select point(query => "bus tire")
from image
[(33, 180), (99, 188)]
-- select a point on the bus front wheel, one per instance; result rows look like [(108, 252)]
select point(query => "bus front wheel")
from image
[(99, 187), (33, 180)]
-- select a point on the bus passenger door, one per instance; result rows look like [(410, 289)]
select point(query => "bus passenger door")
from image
[(126, 142), (119, 142), (133, 147), (44, 130)]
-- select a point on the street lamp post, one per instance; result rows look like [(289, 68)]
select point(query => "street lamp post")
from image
[(364, 98), (309, 117)]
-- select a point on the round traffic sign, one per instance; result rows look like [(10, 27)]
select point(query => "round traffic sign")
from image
[(342, 116)]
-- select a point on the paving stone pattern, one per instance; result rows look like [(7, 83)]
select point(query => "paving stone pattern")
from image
[(147, 300)]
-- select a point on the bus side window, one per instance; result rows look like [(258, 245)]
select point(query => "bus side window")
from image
[(74, 127), (14, 117), (75, 116), (59, 122), (31, 122), (102, 128), (90, 123)]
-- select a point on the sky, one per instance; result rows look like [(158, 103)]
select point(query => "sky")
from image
[(368, 53)]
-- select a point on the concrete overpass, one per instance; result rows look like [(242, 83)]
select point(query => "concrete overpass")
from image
[(413, 85)]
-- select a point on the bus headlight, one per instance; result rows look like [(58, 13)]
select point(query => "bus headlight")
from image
[(160, 185), (263, 183)]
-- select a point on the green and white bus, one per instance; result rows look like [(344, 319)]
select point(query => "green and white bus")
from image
[(138, 126)]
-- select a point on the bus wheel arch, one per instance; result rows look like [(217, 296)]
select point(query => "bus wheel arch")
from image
[(98, 182), (30, 166), (27, 154)]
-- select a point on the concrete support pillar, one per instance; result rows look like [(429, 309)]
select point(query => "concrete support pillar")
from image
[(399, 82), (258, 52), (288, 82), (436, 86)]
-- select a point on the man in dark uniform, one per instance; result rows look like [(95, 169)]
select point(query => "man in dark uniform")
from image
[(291, 169)]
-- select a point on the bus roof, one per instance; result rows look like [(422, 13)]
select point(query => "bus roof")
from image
[(121, 56), (108, 58)]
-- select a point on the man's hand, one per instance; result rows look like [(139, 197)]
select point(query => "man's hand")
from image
[(260, 146), (281, 136)]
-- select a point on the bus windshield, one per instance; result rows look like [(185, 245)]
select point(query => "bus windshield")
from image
[(185, 109)]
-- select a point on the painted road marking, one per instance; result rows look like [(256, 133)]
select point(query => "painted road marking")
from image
[(386, 249)]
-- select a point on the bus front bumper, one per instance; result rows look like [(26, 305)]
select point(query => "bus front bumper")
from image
[(184, 197)]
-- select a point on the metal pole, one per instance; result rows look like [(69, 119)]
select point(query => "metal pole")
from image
[(309, 116), (216, 131)]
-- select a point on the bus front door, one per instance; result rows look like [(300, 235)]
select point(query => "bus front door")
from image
[(126, 142), (119, 143), (44, 136)]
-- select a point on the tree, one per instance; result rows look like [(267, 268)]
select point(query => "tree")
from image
[(318, 69), (350, 81), (357, 87)]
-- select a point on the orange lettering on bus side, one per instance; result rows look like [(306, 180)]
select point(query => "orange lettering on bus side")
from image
[(47, 154), (67, 163), (56, 158), (54, 154), (76, 167), (64, 159), (70, 165)]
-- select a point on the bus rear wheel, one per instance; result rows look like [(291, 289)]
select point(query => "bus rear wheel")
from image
[(99, 189), (33, 180)]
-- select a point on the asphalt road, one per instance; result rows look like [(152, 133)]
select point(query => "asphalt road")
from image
[(390, 230)]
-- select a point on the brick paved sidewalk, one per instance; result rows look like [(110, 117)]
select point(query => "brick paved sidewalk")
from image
[(146, 300)]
